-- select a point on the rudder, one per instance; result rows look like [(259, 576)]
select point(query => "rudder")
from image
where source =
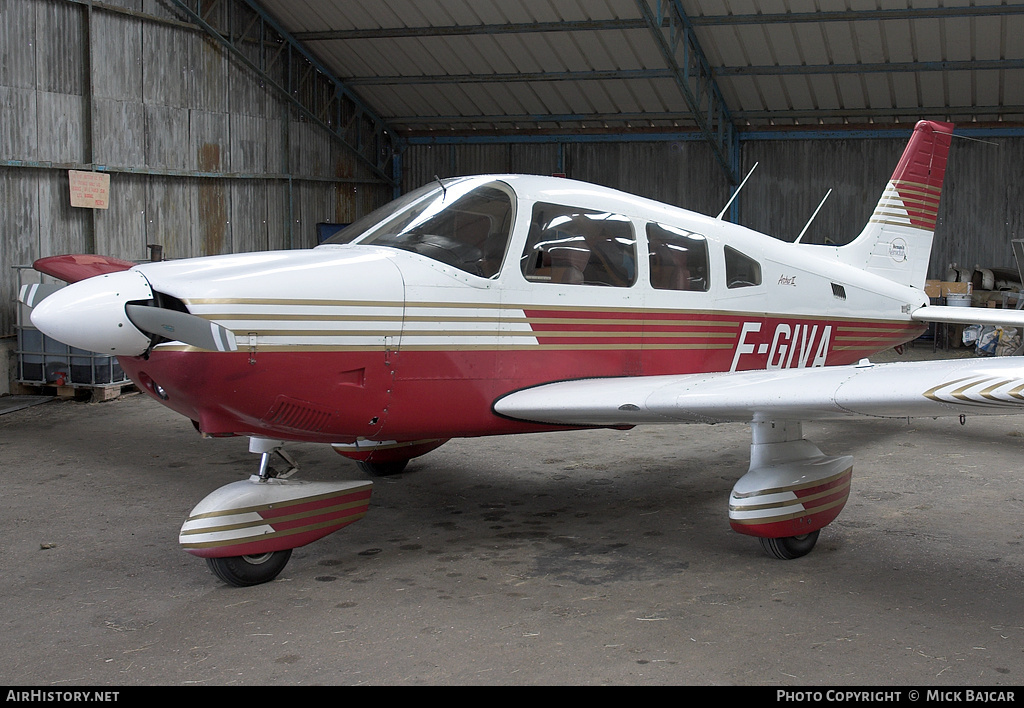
[(896, 242)]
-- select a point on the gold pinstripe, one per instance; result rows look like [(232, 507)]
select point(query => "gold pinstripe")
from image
[(276, 534)]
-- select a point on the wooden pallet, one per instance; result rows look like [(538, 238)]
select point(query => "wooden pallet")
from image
[(93, 394)]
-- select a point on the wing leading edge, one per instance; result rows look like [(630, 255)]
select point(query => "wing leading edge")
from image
[(897, 390)]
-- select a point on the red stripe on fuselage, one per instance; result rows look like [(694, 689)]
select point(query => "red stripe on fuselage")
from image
[(440, 392)]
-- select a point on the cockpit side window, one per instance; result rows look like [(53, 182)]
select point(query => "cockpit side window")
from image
[(464, 226), (741, 271), (679, 259), (575, 246)]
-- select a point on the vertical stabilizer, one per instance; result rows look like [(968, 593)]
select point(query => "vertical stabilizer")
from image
[(896, 243)]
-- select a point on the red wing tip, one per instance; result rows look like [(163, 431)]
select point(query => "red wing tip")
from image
[(74, 267)]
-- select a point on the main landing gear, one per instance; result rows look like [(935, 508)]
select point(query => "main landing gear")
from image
[(386, 458), (246, 530), (790, 547), (791, 491)]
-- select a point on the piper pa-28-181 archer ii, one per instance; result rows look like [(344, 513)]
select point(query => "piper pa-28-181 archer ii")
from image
[(506, 304)]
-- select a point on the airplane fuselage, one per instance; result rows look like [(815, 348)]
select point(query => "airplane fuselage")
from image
[(381, 340)]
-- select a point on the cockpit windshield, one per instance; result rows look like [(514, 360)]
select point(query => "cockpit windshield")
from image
[(465, 224)]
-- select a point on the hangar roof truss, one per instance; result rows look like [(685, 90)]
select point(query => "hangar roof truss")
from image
[(475, 68)]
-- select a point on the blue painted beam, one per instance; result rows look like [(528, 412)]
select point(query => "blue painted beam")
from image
[(911, 112), (508, 77), (871, 68), (720, 71), (770, 18), (814, 133), (924, 13), (270, 34), (695, 80)]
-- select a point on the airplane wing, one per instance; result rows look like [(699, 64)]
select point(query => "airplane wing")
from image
[(897, 390)]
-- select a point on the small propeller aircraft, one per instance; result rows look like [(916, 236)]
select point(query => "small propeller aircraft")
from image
[(503, 304)]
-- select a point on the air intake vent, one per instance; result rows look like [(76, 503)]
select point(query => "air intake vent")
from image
[(839, 291), (297, 415)]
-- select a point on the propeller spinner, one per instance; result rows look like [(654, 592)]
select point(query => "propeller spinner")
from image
[(114, 314)]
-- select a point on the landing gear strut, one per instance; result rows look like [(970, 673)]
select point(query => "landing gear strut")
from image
[(246, 530), (791, 491)]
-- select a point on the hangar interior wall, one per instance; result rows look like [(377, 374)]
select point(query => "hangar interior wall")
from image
[(980, 212), (203, 158), (979, 215)]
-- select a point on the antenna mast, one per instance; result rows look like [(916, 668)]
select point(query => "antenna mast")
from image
[(820, 205), (737, 192)]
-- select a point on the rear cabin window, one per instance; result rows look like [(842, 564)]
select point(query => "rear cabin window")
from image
[(741, 271), (575, 246), (679, 259)]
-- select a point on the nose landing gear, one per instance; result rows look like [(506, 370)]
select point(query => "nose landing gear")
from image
[(246, 530)]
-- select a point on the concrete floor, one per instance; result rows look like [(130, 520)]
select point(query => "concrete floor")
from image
[(598, 557)]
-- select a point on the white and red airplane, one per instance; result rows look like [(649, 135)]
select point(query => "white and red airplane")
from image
[(503, 304)]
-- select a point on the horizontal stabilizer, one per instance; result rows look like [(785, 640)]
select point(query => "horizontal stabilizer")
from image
[(897, 390), (945, 314)]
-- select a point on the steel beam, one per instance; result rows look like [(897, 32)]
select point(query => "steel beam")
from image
[(285, 65), (871, 67), (695, 80), (925, 13), (671, 73), (666, 118), (768, 18)]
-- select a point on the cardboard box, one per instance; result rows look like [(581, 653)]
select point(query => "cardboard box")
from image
[(955, 288)]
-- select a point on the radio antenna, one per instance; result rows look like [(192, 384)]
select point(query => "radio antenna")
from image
[(736, 193), (820, 204)]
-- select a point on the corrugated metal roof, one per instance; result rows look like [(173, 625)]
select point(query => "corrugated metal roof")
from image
[(569, 64), (718, 67)]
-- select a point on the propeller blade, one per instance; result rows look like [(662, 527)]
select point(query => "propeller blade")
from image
[(182, 327), (32, 295)]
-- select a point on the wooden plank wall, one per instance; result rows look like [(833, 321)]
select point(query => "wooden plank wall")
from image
[(980, 212), (203, 157), (979, 215)]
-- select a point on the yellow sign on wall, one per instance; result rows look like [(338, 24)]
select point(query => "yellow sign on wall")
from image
[(89, 189)]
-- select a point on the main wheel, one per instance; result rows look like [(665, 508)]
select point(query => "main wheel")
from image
[(790, 547), (243, 571), (382, 469)]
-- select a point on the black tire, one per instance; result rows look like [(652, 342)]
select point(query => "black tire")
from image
[(382, 469), (244, 571), (790, 547)]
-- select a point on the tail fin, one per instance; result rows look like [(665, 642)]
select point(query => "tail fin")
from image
[(896, 243)]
